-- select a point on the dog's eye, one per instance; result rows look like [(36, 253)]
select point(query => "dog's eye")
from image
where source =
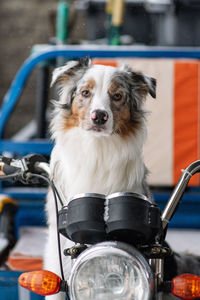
[(117, 97), (85, 93)]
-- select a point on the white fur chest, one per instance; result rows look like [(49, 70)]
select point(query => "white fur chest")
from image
[(85, 163)]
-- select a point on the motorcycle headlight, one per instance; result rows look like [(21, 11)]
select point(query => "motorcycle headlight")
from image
[(111, 270)]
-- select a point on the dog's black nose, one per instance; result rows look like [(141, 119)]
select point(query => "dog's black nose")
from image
[(99, 117)]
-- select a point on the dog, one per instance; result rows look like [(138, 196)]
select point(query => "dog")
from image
[(99, 128)]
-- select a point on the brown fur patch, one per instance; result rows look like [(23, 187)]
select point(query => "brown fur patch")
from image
[(80, 107), (116, 89), (124, 125), (63, 79), (144, 89), (72, 120), (90, 84)]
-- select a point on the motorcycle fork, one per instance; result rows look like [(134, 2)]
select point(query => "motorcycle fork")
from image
[(157, 265)]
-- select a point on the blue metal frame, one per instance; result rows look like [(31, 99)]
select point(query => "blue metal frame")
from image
[(43, 147)]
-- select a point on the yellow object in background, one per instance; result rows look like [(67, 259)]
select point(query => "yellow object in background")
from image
[(4, 199), (115, 14), (109, 7), (118, 12)]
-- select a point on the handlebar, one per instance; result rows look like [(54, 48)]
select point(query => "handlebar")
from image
[(25, 168), (30, 169), (22, 169), (179, 189), (42, 167)]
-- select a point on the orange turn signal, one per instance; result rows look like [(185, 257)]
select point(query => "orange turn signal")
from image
[(40, 282), (186, 286)]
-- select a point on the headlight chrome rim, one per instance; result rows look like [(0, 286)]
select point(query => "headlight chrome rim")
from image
[(116, 248)]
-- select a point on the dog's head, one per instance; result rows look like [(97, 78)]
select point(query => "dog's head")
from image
[(102, 99)]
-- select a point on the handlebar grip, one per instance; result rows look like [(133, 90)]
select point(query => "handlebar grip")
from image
[(32, 161)]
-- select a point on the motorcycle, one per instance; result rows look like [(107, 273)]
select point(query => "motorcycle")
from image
[(119, 247)]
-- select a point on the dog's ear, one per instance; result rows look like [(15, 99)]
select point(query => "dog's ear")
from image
[(151, 84), (142, 82), (73, 71), (145, 84)]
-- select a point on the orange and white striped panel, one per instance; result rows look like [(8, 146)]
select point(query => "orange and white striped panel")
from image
[(173, 124), (186, 116)]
